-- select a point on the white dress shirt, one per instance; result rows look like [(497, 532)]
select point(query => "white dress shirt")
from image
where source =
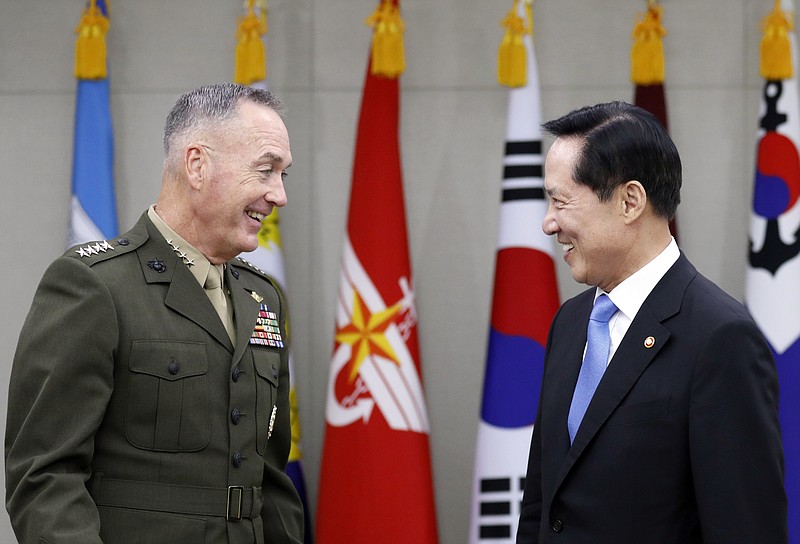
[(629, 295)]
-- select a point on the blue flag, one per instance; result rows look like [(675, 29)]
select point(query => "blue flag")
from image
[(93, 212), (773, 274)]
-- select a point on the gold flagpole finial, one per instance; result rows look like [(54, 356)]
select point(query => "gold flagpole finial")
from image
[(251, 56), (90, 47), (512, 58), (775, 48), (647, 52), (388, 49)]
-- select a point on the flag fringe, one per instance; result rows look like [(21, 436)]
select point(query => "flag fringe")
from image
[(90, 47), (512, 59), (647, 52), (776, 52), (251, 56), (388, 49)]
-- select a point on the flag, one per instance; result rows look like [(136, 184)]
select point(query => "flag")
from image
[(524, 302), (268, 256), (772, 291), (93, 210), (647, 70), (376, 481), (250, 69)]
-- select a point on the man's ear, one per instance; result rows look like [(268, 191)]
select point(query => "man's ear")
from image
[(633, 200), (194, 163)]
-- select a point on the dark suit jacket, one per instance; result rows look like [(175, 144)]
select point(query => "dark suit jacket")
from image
[(681, 442), (131, 413)]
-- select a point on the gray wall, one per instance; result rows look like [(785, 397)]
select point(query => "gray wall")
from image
[(453, 127)]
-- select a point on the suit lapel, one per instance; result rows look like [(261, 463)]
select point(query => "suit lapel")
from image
[(245, 308), (630, 360), (160, 264)]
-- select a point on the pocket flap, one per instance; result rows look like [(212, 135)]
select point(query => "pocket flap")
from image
[(168, 360), (268, 364)]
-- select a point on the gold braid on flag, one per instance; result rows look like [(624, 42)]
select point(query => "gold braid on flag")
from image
[(776, 52), (647, 53), (512, 57), (90, 47), (388, 51), (251, 57)]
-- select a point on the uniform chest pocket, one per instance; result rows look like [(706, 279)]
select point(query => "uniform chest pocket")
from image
[(267, 363), (168, 396)]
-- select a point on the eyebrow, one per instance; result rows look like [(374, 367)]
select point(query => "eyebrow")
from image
[(272, 157)]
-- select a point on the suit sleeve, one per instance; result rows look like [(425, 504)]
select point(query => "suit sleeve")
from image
[(281, 501), (531, 509), (61, 381), (735, 440)]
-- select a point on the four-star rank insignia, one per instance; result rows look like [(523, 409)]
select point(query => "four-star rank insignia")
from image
[(94, 249), (266, 332)]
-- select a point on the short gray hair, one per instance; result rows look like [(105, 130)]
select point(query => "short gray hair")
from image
[(210, 106)]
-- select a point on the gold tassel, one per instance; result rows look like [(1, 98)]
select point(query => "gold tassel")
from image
[(647, 53), (388, 51), (251, 57), (776, 51), (512, 58), (90, 47)]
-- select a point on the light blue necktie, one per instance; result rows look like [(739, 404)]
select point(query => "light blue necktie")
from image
[(594, 362)]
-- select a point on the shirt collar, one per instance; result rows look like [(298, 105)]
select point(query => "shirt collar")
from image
[(629, 295), (200, 265)]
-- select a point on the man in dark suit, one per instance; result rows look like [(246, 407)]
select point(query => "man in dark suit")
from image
[(149, 397), (660, 424)]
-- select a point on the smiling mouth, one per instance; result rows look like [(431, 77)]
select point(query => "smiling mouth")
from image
[(256, 215)]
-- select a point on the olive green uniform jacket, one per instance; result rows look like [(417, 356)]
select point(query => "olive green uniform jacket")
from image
[(133, 419)]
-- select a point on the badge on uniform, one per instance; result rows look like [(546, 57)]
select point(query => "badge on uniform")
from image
[(266, 332), (272, 420)]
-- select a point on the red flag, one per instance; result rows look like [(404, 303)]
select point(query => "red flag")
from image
[(647, 70), (376, 483)]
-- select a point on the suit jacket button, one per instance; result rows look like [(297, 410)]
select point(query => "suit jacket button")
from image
[(235, 416), (173, 368), (557, 526), (236, 459)]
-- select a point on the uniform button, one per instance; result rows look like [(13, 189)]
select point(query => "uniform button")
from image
[(173, 368), (235, 416), (235, 273), (557, 526), (123, 241), (236, 459), (275, 372), (235, 373)]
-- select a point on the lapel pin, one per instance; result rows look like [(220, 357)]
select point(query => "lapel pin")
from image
[(649, 342)]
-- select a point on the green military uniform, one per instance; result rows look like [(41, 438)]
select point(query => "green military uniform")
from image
[(132, 416)]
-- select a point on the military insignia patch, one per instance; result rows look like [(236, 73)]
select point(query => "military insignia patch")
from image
[(94, 249), (266, 332)]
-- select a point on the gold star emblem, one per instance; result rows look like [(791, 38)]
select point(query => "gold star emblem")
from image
[(366, 334)]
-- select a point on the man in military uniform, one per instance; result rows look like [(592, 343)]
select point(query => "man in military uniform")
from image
[(149, 398)]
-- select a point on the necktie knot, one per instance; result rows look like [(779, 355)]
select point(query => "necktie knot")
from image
[(213, 279), (603, 309)]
